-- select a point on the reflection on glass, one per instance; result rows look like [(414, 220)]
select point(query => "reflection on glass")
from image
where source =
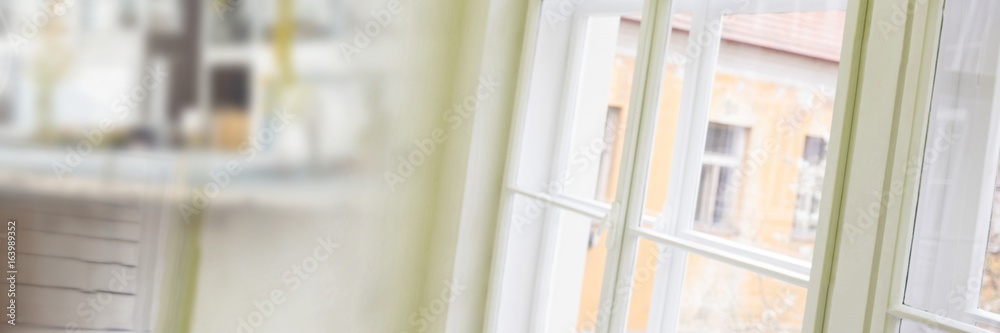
[(953, 262)]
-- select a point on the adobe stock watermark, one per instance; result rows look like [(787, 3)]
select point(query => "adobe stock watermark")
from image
[(644, 274), (121, 108), (581, 159), (11, 305), (958, 297), (898, 18), (769, 320), (867, 218), (426, 147), (96, 303), (592, 320), (31, 24), (372, 29), (561, 11), (421, 319), (710, 32), (291, 280), (787, 125), (221, 177)]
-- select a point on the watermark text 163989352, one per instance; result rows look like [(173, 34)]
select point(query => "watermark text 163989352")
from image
[(12, 272)]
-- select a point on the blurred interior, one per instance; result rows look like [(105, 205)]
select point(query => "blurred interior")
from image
[(198, 148)]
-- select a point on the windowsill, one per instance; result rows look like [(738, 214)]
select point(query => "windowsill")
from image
[(106, 174)]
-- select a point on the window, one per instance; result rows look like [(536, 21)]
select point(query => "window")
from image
[(717, 190), (809, 189), (950, 273), (656, 162), (612, 133), (569, 164), (919, 205), (729, 118)]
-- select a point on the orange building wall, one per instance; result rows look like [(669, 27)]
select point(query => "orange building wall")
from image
[(766, 199)]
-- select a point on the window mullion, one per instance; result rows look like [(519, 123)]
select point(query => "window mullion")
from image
[(851, 262), (792, 276), (889, 288), (932, 320), (684, 176), (543, 291), (786, 262), (636, 159), (595, 210), (691, 135)]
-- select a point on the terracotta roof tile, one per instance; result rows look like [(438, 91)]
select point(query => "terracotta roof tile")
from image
[(812, 34)]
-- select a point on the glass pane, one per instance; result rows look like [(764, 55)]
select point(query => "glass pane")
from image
[(953, 258), (722, 298), (573, 142), (554, 268), (713, 297), (751, 134), (593, 277), (651, 264), (578, 272)]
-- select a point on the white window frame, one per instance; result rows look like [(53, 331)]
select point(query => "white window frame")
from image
[(626, 229), (869, 276)]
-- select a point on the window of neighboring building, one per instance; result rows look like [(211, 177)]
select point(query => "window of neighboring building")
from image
[(810, 186), (604, 191), (718, 188)]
